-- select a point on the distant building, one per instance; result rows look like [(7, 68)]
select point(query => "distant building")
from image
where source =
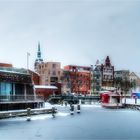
[(66, 81), (122, 80), (107, 72), (49, 72), (122, 75), (97, 77), (77, 79), (134, 78)]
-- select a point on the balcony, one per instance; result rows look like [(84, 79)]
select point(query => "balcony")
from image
[(19, 98)]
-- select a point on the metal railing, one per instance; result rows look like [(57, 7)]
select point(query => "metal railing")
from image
[(20, 98)]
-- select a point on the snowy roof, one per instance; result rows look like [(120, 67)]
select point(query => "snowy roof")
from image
[(45, 87), (15, 72), (104, 91), (109, 88)]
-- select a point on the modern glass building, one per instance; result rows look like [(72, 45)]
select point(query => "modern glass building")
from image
[(16, 89)]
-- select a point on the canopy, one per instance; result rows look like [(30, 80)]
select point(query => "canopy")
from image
[(44, 87)]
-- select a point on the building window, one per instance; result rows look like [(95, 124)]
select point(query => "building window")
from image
[(49, 72), (54, 65), (5, 88), (58, 72), (54, 73)]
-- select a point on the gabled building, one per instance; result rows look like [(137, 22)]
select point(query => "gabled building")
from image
[(103, 75), (107, 72), (134, 78)]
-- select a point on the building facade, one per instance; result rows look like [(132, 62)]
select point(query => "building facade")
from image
[(135, 80), (122, 75), (97, 78), (16, 89), (50, 72), (77, 79), (122, 80), (107, 72)]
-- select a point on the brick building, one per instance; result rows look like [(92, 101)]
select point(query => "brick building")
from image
[(76, 79)]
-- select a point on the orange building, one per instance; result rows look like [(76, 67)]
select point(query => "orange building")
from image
[(76, 79)]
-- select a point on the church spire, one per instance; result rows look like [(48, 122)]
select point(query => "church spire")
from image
[(39, 52), (38, 59), (107, 61)]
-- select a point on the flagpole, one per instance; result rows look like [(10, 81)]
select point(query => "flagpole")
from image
[(28, 54)]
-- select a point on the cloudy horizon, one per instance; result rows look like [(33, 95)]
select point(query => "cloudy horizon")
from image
[(71, 32)]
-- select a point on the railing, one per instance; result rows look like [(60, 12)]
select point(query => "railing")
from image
[(20, 98), (70, 98)]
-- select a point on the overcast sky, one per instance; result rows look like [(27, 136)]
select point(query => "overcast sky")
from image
[(71, 32)]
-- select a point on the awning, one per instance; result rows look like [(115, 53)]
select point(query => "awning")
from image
[(44, 87)]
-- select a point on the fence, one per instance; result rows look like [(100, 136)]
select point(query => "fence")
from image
[(19, 98)]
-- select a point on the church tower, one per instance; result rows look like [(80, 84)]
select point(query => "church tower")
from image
[(107, 61), (38, 59)]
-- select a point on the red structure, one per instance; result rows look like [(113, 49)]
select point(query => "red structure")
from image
[(45, 91), (35, 77), (105, 97), (6, 65), (111, 100), (79, 78)]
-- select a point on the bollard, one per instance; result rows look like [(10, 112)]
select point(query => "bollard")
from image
[(65, 103), (72, 109), (78, 108), (28, 114), (53, 112), (62, 103)]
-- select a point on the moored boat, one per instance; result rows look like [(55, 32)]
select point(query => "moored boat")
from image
[(111, 100)]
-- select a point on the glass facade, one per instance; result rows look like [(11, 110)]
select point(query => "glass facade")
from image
[(5, 88)]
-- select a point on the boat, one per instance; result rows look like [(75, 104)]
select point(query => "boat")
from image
[(111, 100)]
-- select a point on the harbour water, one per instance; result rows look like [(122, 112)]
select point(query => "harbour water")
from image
[(94, 122)]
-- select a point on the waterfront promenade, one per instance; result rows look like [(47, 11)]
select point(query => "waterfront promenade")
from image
[(94, 122)]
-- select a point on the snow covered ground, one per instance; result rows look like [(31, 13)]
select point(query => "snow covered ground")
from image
[(131, 101)]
